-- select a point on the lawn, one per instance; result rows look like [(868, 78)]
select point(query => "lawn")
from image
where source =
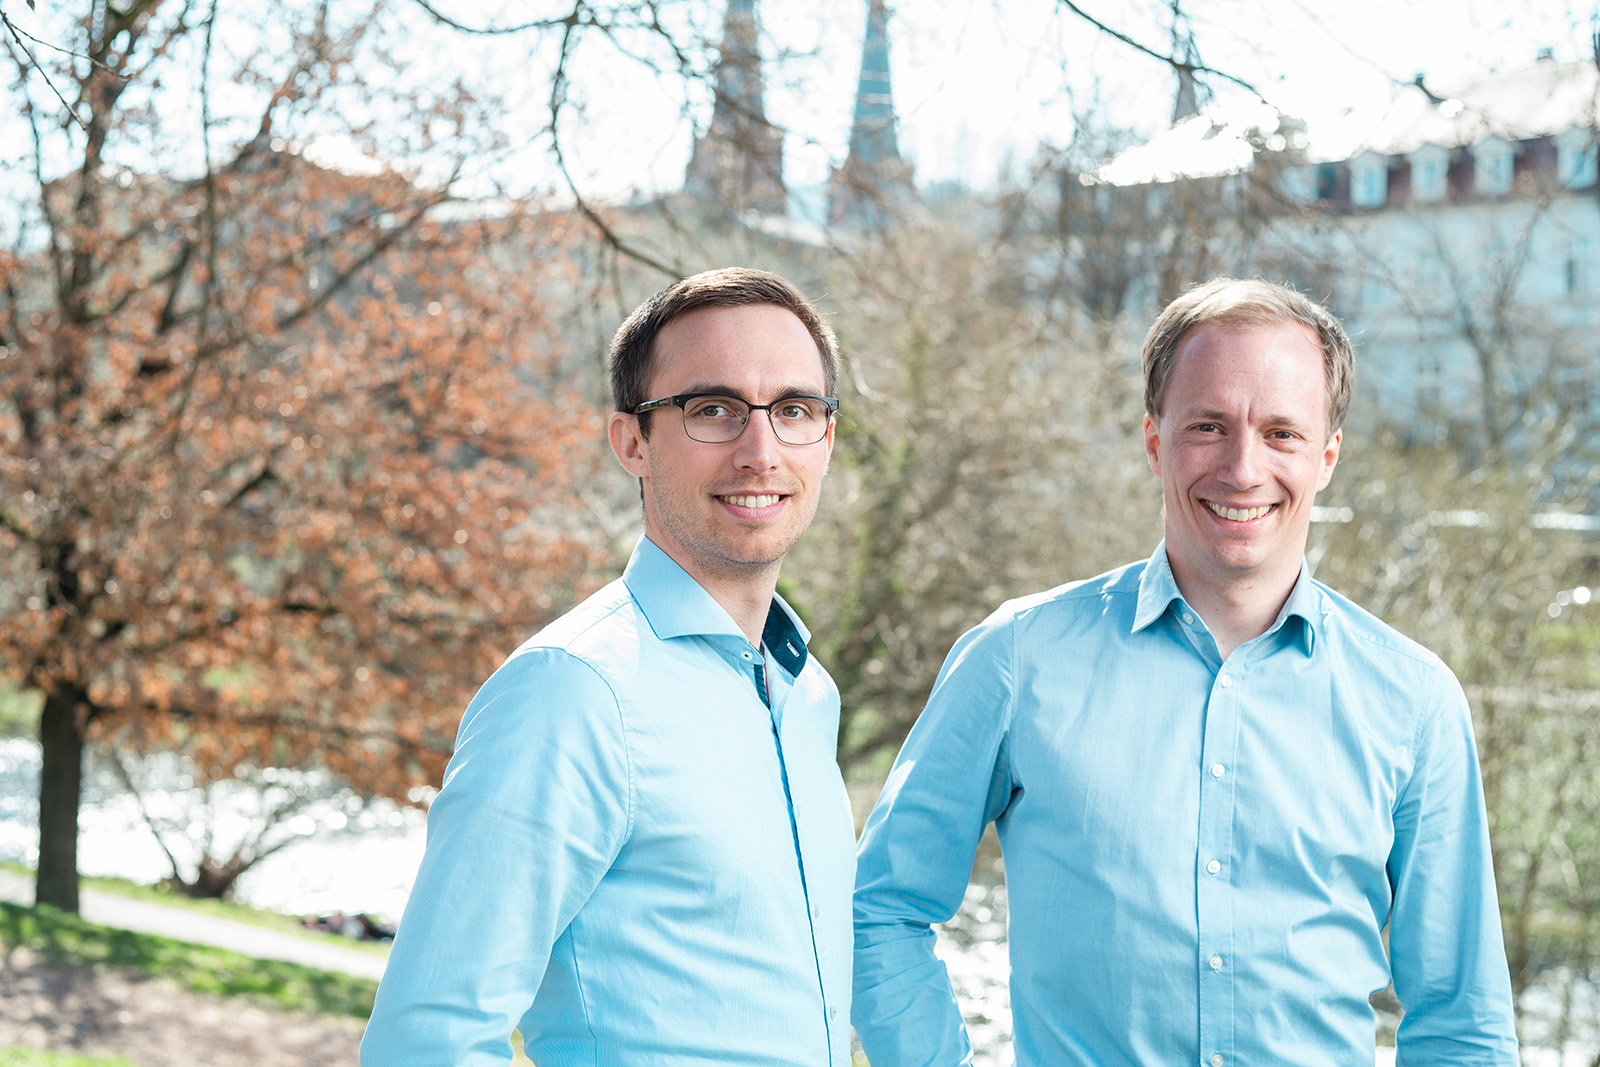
[(65, 938), (32, 1057), (221, 909)]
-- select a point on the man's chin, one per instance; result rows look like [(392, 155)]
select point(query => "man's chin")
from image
[(759, 557)]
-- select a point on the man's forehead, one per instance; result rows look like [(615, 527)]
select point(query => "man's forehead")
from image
[(710, 348), (1224, 331), (1276, 358), (1223, 345)]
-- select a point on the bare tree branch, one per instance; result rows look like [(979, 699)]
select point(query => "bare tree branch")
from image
[(1172, 61), (126, 778), (18, 35), (501, 31), (558, 94)]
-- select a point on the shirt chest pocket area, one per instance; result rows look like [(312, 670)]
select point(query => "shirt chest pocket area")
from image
[(712, 811)]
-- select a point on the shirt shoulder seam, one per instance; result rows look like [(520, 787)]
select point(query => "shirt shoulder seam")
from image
[(617, 700), (1370, 630)]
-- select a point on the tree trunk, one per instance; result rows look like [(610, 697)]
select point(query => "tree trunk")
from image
[(60, 790), (215, 880)]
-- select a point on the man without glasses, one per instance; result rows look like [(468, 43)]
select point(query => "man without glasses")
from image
[(642, 851), (1216, 781)]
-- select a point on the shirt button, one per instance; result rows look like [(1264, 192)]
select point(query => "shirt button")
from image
[(1216, 963), (1225, 681), (1218, 770), (833, 1014), (1216, 1059), (1213, 867), (1188, 619)]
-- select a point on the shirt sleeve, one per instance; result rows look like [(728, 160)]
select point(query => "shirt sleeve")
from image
[(915, 858), (534, 809), (1445, 947)]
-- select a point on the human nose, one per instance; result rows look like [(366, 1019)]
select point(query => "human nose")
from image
[(1243, 466), (757, 445)]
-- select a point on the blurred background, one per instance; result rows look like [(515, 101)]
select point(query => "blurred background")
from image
[(303, 316)]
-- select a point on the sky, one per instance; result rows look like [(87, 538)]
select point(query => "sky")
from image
[(980, 84)]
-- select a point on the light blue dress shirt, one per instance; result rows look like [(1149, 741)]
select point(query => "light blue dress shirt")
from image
[(1200, 854), (634, 859)]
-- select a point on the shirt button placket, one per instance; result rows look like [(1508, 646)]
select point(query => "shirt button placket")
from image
[(1215, 842)]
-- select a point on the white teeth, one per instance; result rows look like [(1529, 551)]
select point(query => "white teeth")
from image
[(763, 500), (1238, 515)]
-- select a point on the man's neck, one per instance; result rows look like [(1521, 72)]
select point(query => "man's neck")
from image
[(1238, 609), (744, 591), (745, 602)]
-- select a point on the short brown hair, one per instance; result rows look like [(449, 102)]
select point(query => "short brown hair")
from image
[(1246, 303), (633, 346)]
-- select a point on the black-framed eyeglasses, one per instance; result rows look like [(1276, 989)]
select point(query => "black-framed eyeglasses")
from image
[(716, 418)]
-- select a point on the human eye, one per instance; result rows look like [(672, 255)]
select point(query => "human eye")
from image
[(714, 409), (796, 409)]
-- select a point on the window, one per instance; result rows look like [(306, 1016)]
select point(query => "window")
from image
[(1369, 180), (1430, 167), (1493, 165), (1576, 158), (1327, 181)]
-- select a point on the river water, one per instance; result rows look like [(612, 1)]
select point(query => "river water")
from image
[(354, 856), (345, 854)]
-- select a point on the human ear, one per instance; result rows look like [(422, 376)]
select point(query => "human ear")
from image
[(627, 443), (1330, 459), (1152, 443)]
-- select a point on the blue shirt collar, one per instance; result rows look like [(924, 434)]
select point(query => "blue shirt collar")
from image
[(1158, 590), (675, 605)]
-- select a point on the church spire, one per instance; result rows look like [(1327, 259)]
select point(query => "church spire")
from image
[(874, 176), (738, 161), (872, 132)]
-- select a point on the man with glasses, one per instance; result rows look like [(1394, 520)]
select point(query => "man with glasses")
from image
[(1232, 804), (642, 851)]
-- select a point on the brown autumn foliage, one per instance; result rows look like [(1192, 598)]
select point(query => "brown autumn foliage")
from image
[(278, 484)]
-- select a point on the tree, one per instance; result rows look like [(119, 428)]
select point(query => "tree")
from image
[(279, 476), (213, 831)]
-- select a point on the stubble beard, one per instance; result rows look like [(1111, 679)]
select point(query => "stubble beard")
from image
[(720, 556)]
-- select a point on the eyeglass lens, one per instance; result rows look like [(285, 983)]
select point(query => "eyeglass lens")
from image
[(798, 420)]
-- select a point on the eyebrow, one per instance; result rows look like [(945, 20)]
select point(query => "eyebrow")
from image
[(1213, 415), (720, 389)]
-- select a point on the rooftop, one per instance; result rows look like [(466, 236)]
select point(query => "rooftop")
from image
[(1539, 101)]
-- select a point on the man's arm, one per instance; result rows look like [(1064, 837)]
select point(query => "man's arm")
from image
[(534, 809), (1445, 947), (916, 853)]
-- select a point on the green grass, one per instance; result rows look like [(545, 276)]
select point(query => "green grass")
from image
[(19, 717), (64, 938), (220, 909), (32, 1057)]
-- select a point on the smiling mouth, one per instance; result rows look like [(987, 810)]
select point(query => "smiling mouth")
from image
[(1239, 514), (752, 500)]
